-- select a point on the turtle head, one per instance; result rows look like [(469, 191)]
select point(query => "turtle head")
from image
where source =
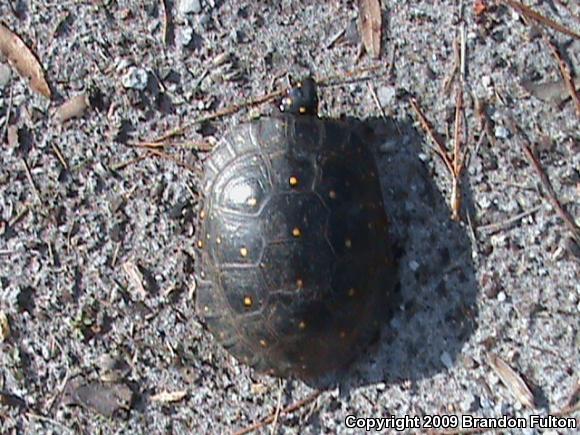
[(301, 99)]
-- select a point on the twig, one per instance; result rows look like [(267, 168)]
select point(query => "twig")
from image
[(48, 420), (533, 15), (123, 165), (377, 102), (177, 131), (166, 21), (59, 155), (59, 391), (457, 157), (491, 228), (456, 65), (218, 114), (8, 112), (199, 146), (471, 230), (30, 179), (568, 219), (171, 158), (439, 149), (456, 166), (311, 398), (566, 73), (19, 216), (278, 408)]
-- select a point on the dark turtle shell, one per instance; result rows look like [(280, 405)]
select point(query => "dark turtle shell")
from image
[(294, 266)]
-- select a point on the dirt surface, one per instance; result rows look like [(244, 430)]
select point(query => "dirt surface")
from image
[(96, 282)]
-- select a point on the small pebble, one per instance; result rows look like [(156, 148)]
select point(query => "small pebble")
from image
[(189, 7), (501, 132), (414, 265), (501, 297), (135, 78), (386, 95), (5, 74), (467, 403), (185, 36), (484, 202)]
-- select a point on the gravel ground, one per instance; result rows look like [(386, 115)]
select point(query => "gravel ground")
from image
[(68, 236)]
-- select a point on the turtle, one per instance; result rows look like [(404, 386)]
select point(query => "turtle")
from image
[(294, 265)]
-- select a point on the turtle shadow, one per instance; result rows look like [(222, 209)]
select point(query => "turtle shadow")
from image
[(433, 313)]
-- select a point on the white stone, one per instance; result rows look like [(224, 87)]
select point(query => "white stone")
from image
[(135, 78), (386, 95), (5, 74), (501, 132), (189, 7), (184, 36)]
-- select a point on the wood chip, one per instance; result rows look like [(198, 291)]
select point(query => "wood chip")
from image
[(135, 277), (169, 396), (370, 26), (110, 400), (533, 15), (512, 380), (4, 327), (12, 136), (23, 60), (74, 107)]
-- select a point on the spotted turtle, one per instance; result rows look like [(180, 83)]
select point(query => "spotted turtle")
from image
[(294, 267)]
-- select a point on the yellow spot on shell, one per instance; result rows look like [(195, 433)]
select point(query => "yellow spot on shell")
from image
[(299, 283), (302, 325), (348, 243), (332, 194), (200, 244), (206, 308), (202, 214), (302, 109), (293, 181), (351, 292), (263, 343), (244, 252), (247, 301), (296, 232), (218, 240), (252, 202)]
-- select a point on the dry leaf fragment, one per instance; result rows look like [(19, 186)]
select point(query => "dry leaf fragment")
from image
[(109, 400), (553, 92), (370, 26), (74, 107), (512, 380), (23, 60), (4, 327), (135, 277), (169, 396)]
